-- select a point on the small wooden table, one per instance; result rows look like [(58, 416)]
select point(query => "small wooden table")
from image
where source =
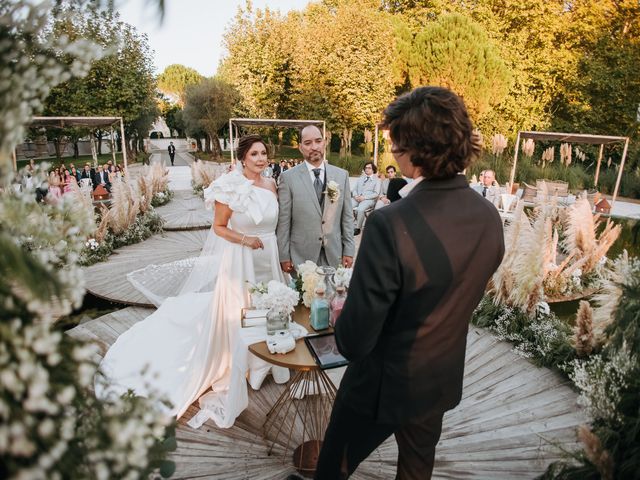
[(308, 397)]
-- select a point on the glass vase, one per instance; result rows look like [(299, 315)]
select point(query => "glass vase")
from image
[(277, 320), (325, 282)]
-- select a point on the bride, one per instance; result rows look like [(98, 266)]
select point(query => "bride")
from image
[(185, 347)]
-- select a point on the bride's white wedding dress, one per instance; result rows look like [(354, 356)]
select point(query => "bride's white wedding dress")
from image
[(185, 347)]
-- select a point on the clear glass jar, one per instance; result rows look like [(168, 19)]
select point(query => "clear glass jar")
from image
[(325, 282), (277, 320)]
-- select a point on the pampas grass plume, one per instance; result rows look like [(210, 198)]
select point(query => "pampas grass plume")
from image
[(583, 337), (595, 453)]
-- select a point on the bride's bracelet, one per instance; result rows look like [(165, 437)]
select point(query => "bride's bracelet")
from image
[(242, 241)]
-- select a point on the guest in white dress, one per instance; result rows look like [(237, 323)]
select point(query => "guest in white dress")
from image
[(185, 347)]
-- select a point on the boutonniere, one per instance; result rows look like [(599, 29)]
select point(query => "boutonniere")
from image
[(333, 191)]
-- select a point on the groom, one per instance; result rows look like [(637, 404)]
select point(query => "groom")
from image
[(315, 221)]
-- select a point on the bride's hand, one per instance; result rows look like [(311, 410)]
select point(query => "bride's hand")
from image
[(253, 242)]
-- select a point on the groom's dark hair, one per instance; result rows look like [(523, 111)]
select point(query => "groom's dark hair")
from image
[(245, 142), (432, 125)]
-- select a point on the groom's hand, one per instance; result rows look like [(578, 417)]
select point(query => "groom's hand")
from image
[(287, 267), (347, 261)]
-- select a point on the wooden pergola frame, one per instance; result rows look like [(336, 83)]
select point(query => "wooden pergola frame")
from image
[(601, 140), (275, 123), (88, 122)]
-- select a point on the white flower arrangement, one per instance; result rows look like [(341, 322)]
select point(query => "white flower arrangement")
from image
[(275, 296), (92, 244), (333, 191), (309, 276), (342, 277)]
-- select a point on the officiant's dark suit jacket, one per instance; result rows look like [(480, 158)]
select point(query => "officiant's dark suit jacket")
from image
[(421, 269)]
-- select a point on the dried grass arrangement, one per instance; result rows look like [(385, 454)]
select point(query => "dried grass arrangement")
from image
[(203, 173), (129, 219), (552, 255)]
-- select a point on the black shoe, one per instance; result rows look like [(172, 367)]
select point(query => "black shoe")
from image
[(356, 232), (295, 476)]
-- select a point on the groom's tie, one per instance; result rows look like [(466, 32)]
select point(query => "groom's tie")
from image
[(317, 184)]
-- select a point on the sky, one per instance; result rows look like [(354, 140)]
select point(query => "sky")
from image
[(191, 33)]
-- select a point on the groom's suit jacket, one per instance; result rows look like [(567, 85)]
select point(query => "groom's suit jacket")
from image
[(304, 226), (422, 268)]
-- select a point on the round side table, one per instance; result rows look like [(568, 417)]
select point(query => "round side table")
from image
[(301, 413)]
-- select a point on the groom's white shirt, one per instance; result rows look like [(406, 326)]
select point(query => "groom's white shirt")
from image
[(313, 175)]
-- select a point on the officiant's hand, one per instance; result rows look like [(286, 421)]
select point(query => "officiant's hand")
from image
[(287, 267), (347, 261)]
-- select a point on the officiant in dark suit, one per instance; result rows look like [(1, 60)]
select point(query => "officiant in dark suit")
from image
[(421, 270)]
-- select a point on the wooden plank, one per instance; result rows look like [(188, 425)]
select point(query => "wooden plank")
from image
[(506, 427), (186, 211), (109, 279)]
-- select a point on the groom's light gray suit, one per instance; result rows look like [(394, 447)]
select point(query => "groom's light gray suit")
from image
[(305, 227)]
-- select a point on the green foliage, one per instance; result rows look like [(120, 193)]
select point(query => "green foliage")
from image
[(119, 84), (174, 81), (346, 76), (161, 198), (145, 226), (603, 94), (260, 46), (456, 53), (609, 385), (542, 337), (208, 107)]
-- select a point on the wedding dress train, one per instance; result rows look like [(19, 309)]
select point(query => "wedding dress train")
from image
[(185, 347)]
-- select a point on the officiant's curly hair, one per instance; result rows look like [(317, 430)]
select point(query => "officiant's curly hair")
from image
[(245, 143), (432, 125)]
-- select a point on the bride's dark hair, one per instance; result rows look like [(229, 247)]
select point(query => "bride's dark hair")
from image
[(244, 144)]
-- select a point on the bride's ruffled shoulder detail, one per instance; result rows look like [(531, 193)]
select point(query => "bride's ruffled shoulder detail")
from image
[(236, 191), (233, 189)]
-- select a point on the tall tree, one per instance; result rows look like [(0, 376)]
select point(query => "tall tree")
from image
[(603, 96), (456, 53), (175, 79), (119, 84), (259, 48), (208, 108), (346, 74)]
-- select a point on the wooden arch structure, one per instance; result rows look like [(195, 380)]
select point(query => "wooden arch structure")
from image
[(601, 140), (274, 123), (87, 122)]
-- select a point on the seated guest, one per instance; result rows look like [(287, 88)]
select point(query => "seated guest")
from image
[(74, 173), (384, 199), (102, 178), (365, 194), (55, 185), (395, 185), (489, 188), (87, 174), (68, 180)]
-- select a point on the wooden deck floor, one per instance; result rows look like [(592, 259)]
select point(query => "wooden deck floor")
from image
[(109, 279), (186, 211), (511, 417)]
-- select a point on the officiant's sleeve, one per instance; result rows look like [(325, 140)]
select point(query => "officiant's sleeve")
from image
[(283, 230), (346, 223), (373, 289)]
